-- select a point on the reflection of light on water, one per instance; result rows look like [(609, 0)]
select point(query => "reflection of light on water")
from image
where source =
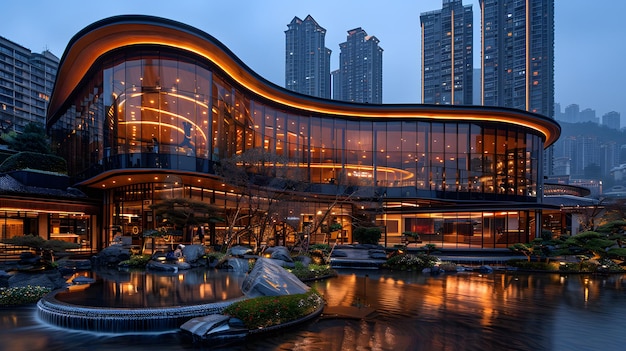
[(136, 289), (586, 283), (130, 289), (520, 303)]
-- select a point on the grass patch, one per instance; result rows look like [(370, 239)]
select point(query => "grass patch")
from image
[(312, 272), (267, 311)]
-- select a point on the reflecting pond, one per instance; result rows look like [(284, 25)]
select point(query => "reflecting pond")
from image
[(403, 311)]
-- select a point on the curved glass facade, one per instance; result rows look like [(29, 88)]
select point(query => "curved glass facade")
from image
[(148, 109), (149, 122)]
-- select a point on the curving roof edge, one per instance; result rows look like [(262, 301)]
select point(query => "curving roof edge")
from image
[(108, 34)]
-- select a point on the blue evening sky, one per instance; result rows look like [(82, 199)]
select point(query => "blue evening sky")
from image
[(589, 37)]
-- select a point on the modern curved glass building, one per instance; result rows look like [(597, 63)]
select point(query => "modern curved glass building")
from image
[(146, 109)]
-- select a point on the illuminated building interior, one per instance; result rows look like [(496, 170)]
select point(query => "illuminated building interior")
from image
[(147, 109)]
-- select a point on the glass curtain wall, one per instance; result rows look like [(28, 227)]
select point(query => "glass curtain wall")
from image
[(166, 111), (485, 229), (149, 108)]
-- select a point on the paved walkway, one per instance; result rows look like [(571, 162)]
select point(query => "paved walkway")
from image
[(360, 257)]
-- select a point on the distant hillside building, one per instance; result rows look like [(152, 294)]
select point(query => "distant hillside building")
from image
[(447, 54), (573, 114), (611, 120), (360, 74), (26, 82), (307, 59), (588, 115)]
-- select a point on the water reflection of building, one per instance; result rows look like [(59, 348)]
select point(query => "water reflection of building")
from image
[(463, 176)]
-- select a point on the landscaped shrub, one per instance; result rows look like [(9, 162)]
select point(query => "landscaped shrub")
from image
[(21, 295), (534, 265), (319, 253), (34, 160), (608, 265), (215, 256), (38, 242), (367, 235), (583, 266), (410, 262), (313, 271), (266, 311), (325, 248), (136, 261), (612, 227)]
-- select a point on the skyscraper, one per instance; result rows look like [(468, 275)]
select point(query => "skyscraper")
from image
[(360, 74), (447, 50), (307, 60), (517, 57), (518, 54), (26, 81)]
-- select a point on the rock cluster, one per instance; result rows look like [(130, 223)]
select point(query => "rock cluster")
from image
[(270, 279)]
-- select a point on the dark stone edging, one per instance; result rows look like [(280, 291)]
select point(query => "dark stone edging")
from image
[(66, 315), (321, 277)]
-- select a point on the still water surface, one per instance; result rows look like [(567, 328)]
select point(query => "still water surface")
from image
[(409, 311)]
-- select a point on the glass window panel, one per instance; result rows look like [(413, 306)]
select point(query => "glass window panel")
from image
[(409, 150), (450, 157), (269, 129), (501, 160), (281, 132), (315, 151), (423, 166), (382, 154), (521, 164), (292, 137), (437, 156), (462, 154)]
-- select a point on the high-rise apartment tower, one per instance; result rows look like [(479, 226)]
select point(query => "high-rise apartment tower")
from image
[(517, 58), (26, 81), (447, 50), (307, 60), (360, 74), (517, 54)]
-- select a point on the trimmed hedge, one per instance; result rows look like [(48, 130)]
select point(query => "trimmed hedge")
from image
[(33, 160)]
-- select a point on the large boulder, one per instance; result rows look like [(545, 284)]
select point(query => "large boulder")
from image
[(67, 266), (239, 251), (4, 279), (169, 267), (193, 253), (377, 254), (51, 279), (269, 279), (111, 256), (338, 253), (279, 253), (238, 264)]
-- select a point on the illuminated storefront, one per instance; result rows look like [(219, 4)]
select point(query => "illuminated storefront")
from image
[(145, 109), (29, 205)]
